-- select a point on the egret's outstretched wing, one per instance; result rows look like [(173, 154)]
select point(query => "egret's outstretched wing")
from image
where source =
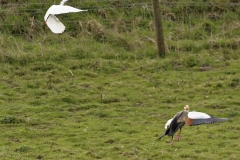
[(57, 9), (64, 9), (54, 24)]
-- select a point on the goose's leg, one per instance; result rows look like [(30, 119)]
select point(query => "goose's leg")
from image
[(178, 136), (171, 143)]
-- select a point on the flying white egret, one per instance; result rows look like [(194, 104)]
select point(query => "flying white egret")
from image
[(189, 119), (52, 21)]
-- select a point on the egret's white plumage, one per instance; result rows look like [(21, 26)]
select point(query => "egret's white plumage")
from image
[(52, 21)]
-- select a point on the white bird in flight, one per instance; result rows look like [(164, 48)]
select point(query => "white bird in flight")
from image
[(52, 21)]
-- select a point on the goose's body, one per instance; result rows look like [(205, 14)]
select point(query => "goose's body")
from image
[(52, 21), (189, 119)]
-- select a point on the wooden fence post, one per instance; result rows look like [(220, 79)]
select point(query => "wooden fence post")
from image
[(158, 28)]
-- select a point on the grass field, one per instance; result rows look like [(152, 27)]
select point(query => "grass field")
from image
[(100, 92)]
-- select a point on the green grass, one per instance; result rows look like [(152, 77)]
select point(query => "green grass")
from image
[(89, 95)]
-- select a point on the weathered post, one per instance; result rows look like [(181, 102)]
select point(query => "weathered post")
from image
[(158, 28)]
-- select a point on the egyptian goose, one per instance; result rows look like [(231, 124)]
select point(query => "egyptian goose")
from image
[(189, 119)]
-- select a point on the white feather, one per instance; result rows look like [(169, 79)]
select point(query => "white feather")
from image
[(168, 123), (198, 115)]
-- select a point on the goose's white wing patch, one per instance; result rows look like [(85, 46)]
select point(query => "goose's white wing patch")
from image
[(168, 123), (54, 24), (198, 115)]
